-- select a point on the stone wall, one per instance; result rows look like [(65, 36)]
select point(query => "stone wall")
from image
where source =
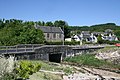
[(53, 37), (46, 50), (112, 55), (43, 52)]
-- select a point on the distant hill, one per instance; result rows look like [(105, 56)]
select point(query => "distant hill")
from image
[(97, 28)]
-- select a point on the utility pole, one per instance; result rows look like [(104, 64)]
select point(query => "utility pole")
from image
[(81, 39), (63, 36)]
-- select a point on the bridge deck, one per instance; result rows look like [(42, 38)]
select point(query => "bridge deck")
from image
[(31, 48)]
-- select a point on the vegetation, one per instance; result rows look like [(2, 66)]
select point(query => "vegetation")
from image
[(26, 68), (97, 28), (100, 41), (66, 43), (90, 60), (7, 68), (18, 32), (15, 31), (49, 66), (45, 76)]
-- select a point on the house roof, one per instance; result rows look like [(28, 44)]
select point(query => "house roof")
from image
[(48, 29), (108, 30), (86, 36), (85, 32), (95, 33)]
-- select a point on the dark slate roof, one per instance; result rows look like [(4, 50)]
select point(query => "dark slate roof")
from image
[(48, 29), (85, 32), (86, 36), (97, 33)]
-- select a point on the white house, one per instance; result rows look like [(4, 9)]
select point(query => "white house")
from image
[(110, 37), (85, 35), (68, 39), (92, 37)]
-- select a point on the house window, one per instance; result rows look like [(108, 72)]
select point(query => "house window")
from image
[(54, 35), (48, 35), (60, 35)]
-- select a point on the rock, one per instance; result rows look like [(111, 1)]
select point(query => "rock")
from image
[(110, 55)]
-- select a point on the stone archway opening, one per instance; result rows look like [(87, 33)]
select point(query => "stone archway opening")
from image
[(55, 57)]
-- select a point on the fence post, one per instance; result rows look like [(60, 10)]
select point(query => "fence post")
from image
[(25, 48), (16, 48), (33, 47), (6, 49)]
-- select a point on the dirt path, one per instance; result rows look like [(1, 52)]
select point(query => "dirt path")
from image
[(91, 74), (80, 73)]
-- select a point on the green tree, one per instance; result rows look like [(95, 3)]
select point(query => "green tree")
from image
[(100, 40), (64, 26), (60, 23), (39, 23), (49, 24), (43, 23), (19, 32), (31, 36)]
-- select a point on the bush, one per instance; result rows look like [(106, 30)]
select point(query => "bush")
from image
[(6, 68), (27, 68), (60, 43), (8, 76)]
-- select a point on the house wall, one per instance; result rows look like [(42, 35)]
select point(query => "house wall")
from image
[(54, 37)]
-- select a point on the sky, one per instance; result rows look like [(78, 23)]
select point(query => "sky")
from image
[(74, 12)]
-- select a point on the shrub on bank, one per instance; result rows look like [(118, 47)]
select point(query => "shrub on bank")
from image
[(26, 68)]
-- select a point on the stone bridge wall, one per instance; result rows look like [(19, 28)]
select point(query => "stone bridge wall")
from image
[(52, 52), (42, 53), (45, 51)]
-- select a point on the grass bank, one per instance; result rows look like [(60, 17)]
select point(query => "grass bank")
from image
[(91, 61), (48, 67)]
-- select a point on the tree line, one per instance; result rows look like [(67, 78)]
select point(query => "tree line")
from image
[(15, 31), (97, 28)]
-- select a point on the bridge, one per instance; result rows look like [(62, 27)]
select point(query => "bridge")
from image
[(54, 53)]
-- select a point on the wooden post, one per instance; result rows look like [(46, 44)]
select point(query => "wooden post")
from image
[(33, 47), (16, 48), (6, 49), (25, 48)]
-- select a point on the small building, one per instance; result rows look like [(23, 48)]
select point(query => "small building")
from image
[(68, 39), (86, 36), (97, 33), (108, 31), (110, 37), (77, 38), (52, 34)]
